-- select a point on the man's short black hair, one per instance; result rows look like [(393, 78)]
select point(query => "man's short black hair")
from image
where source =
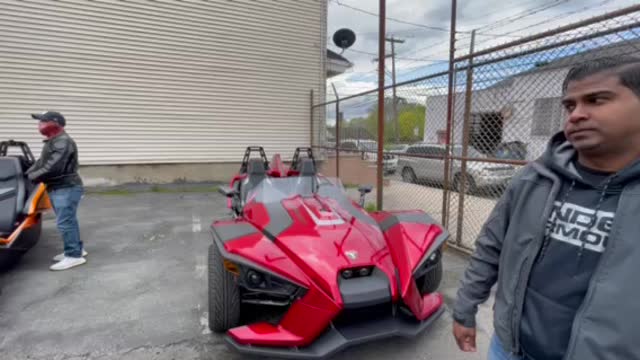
[(626, 68)]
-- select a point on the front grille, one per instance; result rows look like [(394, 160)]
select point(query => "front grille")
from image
[(349, 317)]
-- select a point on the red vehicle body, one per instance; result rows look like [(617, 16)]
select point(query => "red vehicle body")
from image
[(333, 274)]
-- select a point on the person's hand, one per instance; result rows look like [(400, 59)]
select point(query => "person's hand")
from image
[(465, 337)]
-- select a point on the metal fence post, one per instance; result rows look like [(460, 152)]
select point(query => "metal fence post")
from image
[(465, 142), (447, 160), (337, 131), (381, 56), (338, 125)]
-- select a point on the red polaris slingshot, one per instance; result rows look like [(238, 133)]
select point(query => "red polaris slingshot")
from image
[(302, 271)]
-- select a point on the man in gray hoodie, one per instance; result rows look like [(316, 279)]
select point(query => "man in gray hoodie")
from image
[(563, 242)]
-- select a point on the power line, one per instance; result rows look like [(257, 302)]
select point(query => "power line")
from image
[(434, 28), (483, 16), (558, 17), (427, 47), (524, 14), (562, 16), (414, 31), (397, 57), (518, 16)]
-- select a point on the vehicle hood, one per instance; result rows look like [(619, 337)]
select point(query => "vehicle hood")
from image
[(323, 237)]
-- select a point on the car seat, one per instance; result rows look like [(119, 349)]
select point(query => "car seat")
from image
[(256, 172), (307, 177), (13, 192)]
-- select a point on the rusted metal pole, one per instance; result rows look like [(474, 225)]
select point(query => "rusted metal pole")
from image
[(465, 142), (337, 131), (447, 161), (382, 16), (311, 110)]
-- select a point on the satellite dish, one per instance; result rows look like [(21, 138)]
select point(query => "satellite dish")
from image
[(344, 38)]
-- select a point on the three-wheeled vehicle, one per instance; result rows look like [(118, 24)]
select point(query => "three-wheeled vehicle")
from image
[(22, 203), (332, 274)]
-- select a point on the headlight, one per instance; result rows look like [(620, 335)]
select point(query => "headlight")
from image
[(254, 278), (347, 274), (264, 287), (428, 264), (357, 272)]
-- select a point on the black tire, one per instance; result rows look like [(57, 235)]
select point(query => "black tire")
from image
[(224, 297), (470, 184), (9, 258), (408, 175), (431, 280)]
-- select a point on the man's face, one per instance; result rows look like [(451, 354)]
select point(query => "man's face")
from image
[(603, 116)]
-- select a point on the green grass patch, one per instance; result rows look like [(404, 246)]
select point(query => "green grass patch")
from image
[(370, 207), (111, 192)]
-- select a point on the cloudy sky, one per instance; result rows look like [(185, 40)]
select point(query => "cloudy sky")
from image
[(424, 27)]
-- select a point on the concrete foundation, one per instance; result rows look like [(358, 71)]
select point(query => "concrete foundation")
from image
[(353, 170), (112, 175)]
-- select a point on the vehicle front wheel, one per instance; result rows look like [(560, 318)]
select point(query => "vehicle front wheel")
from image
[(224, 297), (408, 175)]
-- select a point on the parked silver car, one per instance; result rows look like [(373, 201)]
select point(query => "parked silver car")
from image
[(369, 150), (479, 175)]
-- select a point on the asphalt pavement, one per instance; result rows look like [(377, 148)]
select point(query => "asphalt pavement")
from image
[(142, 293)]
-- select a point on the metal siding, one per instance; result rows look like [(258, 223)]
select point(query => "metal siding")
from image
[(163, 81)]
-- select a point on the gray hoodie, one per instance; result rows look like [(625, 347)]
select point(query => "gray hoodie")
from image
[(561, 237)]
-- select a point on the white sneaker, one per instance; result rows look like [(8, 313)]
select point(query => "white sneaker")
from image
[(60, 257), (68, 263)]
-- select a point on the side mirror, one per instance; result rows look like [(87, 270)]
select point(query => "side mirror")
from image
[(364, 189), (227, 191)]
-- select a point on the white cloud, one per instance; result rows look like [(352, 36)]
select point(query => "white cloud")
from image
[(423, 44)]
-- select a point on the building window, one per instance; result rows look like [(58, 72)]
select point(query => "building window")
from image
[(486, 131), (547, 116)]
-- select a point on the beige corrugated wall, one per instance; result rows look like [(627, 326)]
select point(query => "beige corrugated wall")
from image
[(164, 81)]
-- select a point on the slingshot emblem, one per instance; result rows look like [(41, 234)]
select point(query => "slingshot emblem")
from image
[(351, 254)]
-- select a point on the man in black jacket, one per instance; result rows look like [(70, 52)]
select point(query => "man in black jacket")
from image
[(58, 169), (562, 243)]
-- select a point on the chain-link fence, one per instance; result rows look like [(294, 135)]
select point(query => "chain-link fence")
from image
[(499, 114)]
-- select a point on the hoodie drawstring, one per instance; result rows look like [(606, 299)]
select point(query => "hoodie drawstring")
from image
[(594, 218)]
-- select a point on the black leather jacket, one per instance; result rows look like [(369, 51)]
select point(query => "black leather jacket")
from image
[(57, 166)]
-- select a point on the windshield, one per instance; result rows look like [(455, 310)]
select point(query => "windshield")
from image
[(272, 190)]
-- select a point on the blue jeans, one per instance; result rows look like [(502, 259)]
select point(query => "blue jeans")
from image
[(65, 204), (497, 351)]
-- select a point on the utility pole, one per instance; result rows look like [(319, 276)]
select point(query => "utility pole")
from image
[(382, 26), (393, 42)]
